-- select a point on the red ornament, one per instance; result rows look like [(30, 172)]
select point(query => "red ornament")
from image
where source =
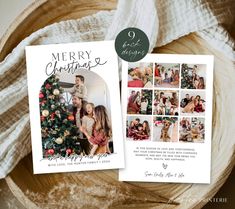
[(41, 95), (42, 118), (50, 152), (71, 117), (42, 102), (68, 151), (52, 115), (48, 86)]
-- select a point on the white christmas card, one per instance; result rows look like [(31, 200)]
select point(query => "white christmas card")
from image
[(167, 113), (75, 111)]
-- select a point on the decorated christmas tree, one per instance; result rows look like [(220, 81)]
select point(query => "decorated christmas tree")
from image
[(59, 133), (187, 77), (147, 94), (159, 120)]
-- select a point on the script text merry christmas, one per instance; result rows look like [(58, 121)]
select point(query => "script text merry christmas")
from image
[(70, 62)]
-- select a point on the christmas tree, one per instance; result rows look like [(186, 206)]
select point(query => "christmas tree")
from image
[(147, 94), (186, 77), (161, 119), (59, 133)]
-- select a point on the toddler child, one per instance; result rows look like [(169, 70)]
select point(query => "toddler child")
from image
[(168, 107), (88, 120), (143, 106), (79, 88)]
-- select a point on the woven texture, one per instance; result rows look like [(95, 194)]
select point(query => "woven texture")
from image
[(162, 20)]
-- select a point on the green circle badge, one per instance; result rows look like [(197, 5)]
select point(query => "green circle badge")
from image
[(132, 44)]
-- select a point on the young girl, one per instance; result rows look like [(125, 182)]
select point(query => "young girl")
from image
[(199, 107), (102, 131), (167, 107), (162, 101), (162, 71), (166, 78), (175, 78), (133, 128), (146, 129), (88, 120), (157, 75), (196, 82), (144, 106), (140, 134), (201, 84)]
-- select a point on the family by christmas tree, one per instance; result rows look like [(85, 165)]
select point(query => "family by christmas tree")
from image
[(140, 102), (190, 78), (79, 128)]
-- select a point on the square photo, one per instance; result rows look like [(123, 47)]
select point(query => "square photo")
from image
[(192, 129), (166, 102), (193, 103), (139, 101), (193, 76), (138, 128), (165, 129), (140, 75), (166, 75)]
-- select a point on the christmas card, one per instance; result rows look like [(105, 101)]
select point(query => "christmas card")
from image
[(167, 112), (75, 111)]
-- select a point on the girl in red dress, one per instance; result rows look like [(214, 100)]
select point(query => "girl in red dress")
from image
[(102, 131)]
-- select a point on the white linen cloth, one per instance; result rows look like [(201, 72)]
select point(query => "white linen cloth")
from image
[(162, 20)]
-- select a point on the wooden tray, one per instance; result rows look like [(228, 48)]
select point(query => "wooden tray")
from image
[(100, 189)]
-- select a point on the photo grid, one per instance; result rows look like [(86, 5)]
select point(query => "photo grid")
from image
[(166, 102)]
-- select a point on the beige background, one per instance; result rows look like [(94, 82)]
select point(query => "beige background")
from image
[(9, 10)]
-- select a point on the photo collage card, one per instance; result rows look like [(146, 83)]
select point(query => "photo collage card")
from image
[(167, 102)]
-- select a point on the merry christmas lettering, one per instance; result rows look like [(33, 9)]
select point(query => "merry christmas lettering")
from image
[(73, 62)]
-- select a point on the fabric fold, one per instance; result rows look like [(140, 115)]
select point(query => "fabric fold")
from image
[(15, 140), (16, 146), (128, 14)]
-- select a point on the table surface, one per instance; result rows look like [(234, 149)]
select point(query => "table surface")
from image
[(9, 10)]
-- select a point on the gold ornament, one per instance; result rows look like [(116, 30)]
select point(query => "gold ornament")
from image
[(66, 133), (59, 140), (45, 113), (54, 132), (51, 96), (56, 92)]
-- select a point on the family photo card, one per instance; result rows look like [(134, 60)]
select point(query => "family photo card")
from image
[(75, 110), (167, 117)]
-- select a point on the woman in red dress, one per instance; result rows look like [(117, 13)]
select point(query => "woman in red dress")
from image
[(133, 102)]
